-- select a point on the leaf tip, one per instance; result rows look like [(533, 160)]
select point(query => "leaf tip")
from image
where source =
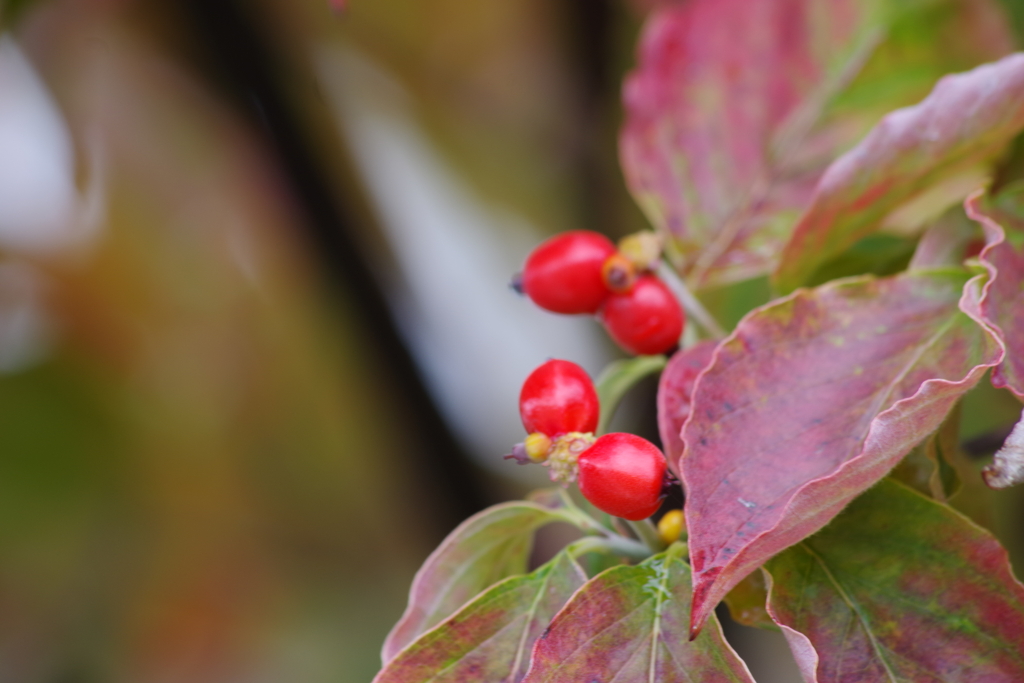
[(701, 606)]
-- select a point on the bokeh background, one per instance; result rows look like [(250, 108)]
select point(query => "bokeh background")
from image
[(258, 354)]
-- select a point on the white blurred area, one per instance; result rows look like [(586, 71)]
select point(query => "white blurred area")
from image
[(41, 211), (476, 340)]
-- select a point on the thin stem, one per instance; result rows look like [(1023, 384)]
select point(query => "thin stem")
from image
[(694, 308), (646, 532), (580, 517), (679, 549), (615, 545)]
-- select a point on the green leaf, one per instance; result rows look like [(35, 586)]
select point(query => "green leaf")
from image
[(490, 638), (630, 624), (965, 122), (488, 547), (618, 378), (900, 588), (747, 602)]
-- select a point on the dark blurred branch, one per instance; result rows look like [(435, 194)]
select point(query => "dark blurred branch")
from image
[(242, 61), (590, 25)]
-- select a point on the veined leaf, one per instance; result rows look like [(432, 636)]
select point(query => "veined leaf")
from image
[(675, 389), (1003, 299), (489, 640), (737, 106), (966, 120), (811, 400), (486, 548), (629, 625), (900, 588)]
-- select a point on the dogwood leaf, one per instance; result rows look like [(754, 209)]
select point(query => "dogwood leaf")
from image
[(629, 624), (811, 400), (489, 640), (966, 120), (1003, 257), (675, 389), (737, 106), (486, 548), (899, 588)]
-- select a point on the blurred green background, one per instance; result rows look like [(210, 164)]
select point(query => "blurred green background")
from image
[(257, 350)]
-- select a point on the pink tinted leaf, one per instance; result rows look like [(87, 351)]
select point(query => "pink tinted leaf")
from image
[(900, 588), (1003, 257), (946, 242), (716, 80), (737, 106), (674, 391), (489, 640), (813, 399), (486, 548), (629, 624), (966, 120)]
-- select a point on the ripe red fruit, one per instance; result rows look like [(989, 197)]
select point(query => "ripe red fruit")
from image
[(645, 320), (563, 274), (559, 397), (623, 475)]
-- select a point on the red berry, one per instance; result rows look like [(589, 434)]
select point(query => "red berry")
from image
[(623, 475), (563, 274), (558, 397), (646, 320)]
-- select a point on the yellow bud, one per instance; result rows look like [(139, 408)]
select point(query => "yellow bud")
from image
[(671, 526), (537, 446), (642, 248)]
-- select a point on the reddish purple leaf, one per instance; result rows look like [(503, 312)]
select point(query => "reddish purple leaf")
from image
[(629, 625), (737, 106), (674, 391), (947, 242), (486, 548), (966, 121), (490, 639), (811, 400), (900, 588), (1003, 257), (716, 80)]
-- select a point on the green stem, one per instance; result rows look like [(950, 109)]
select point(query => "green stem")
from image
[(678, 549), (614, 545), (618, 378), (694, 308), (578, 516), (646, 532)]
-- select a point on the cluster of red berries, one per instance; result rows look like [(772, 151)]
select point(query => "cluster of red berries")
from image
[(621, 474), (584, 272)]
